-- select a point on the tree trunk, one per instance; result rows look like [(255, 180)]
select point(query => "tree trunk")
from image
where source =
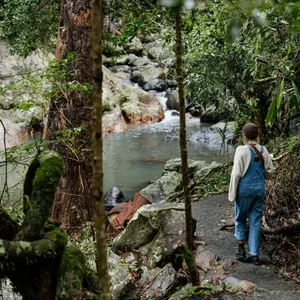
[(70, 111), (99, 217), (184, 161), (36, 259)]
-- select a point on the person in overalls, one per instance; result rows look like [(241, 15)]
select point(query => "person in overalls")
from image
[(252, 164)]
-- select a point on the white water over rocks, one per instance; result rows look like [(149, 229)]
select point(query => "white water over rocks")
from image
[(136, 157)]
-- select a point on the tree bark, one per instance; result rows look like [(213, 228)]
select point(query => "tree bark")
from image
[(97, 142), (74, 199), (184, 160)]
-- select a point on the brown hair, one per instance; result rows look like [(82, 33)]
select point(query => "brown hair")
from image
[(250, 131)]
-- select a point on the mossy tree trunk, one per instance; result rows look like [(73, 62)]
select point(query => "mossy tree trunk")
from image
[(34, 255), (30, 253), (73, 204), (99, 216), (183, 150)]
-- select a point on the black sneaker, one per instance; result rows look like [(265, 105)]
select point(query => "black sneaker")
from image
[(241, 253), (254, 259)]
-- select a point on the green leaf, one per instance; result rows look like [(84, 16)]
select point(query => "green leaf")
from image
[(280, 94), (297, 96), (272, 114)]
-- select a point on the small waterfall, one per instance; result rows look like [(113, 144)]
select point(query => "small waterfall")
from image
[(162, 99)]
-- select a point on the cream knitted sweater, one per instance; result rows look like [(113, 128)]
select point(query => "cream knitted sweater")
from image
[(241, 163)]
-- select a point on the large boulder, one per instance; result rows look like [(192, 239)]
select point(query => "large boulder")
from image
[(140, 61), (153, 192), (124, 103), (135, 46), (173, 100), (119, 60), (141, 108), (170, 183), (15, 112), (155, 231), (202, 173), (154, 49), (155, 84), (174, 165), (151, 72), (120, 69)]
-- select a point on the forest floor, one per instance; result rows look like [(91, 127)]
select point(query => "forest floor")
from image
[(211, 213)]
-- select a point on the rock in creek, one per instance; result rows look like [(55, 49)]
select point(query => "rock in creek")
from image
[(173, 100), (202, 173), (175, 165), (170, 183), (151, 72), (155, 231), (113, 197), (155, 84), (153, 192), (120, 68)]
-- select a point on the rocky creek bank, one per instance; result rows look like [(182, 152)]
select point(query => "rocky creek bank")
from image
[(153, 230), (133, 76)]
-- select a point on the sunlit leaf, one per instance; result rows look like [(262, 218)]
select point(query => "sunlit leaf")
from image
[(272, 114), (280, 94)]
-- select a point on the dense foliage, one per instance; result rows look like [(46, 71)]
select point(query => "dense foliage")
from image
[(28, 24), (245, 60)]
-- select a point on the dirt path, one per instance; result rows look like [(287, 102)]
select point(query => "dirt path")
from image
[(209, 213)]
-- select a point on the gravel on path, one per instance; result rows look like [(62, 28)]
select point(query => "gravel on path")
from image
[(211, 213)]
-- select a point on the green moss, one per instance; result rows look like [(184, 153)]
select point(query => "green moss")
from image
[(72, 260), (58, 236), (44, 184), (70, 274), (106, 108), (28, 182), (124, 98)]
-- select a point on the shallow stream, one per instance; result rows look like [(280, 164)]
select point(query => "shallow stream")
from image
[(134, 158)]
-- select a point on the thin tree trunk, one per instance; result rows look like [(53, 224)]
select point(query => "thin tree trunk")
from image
[(183, 150), (97, 183)]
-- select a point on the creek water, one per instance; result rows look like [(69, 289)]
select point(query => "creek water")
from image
[(134, 158)]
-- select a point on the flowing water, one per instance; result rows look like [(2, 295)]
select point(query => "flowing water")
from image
[(134, 158)]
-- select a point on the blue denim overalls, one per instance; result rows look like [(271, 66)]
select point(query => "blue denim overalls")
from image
[(250, 202)]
